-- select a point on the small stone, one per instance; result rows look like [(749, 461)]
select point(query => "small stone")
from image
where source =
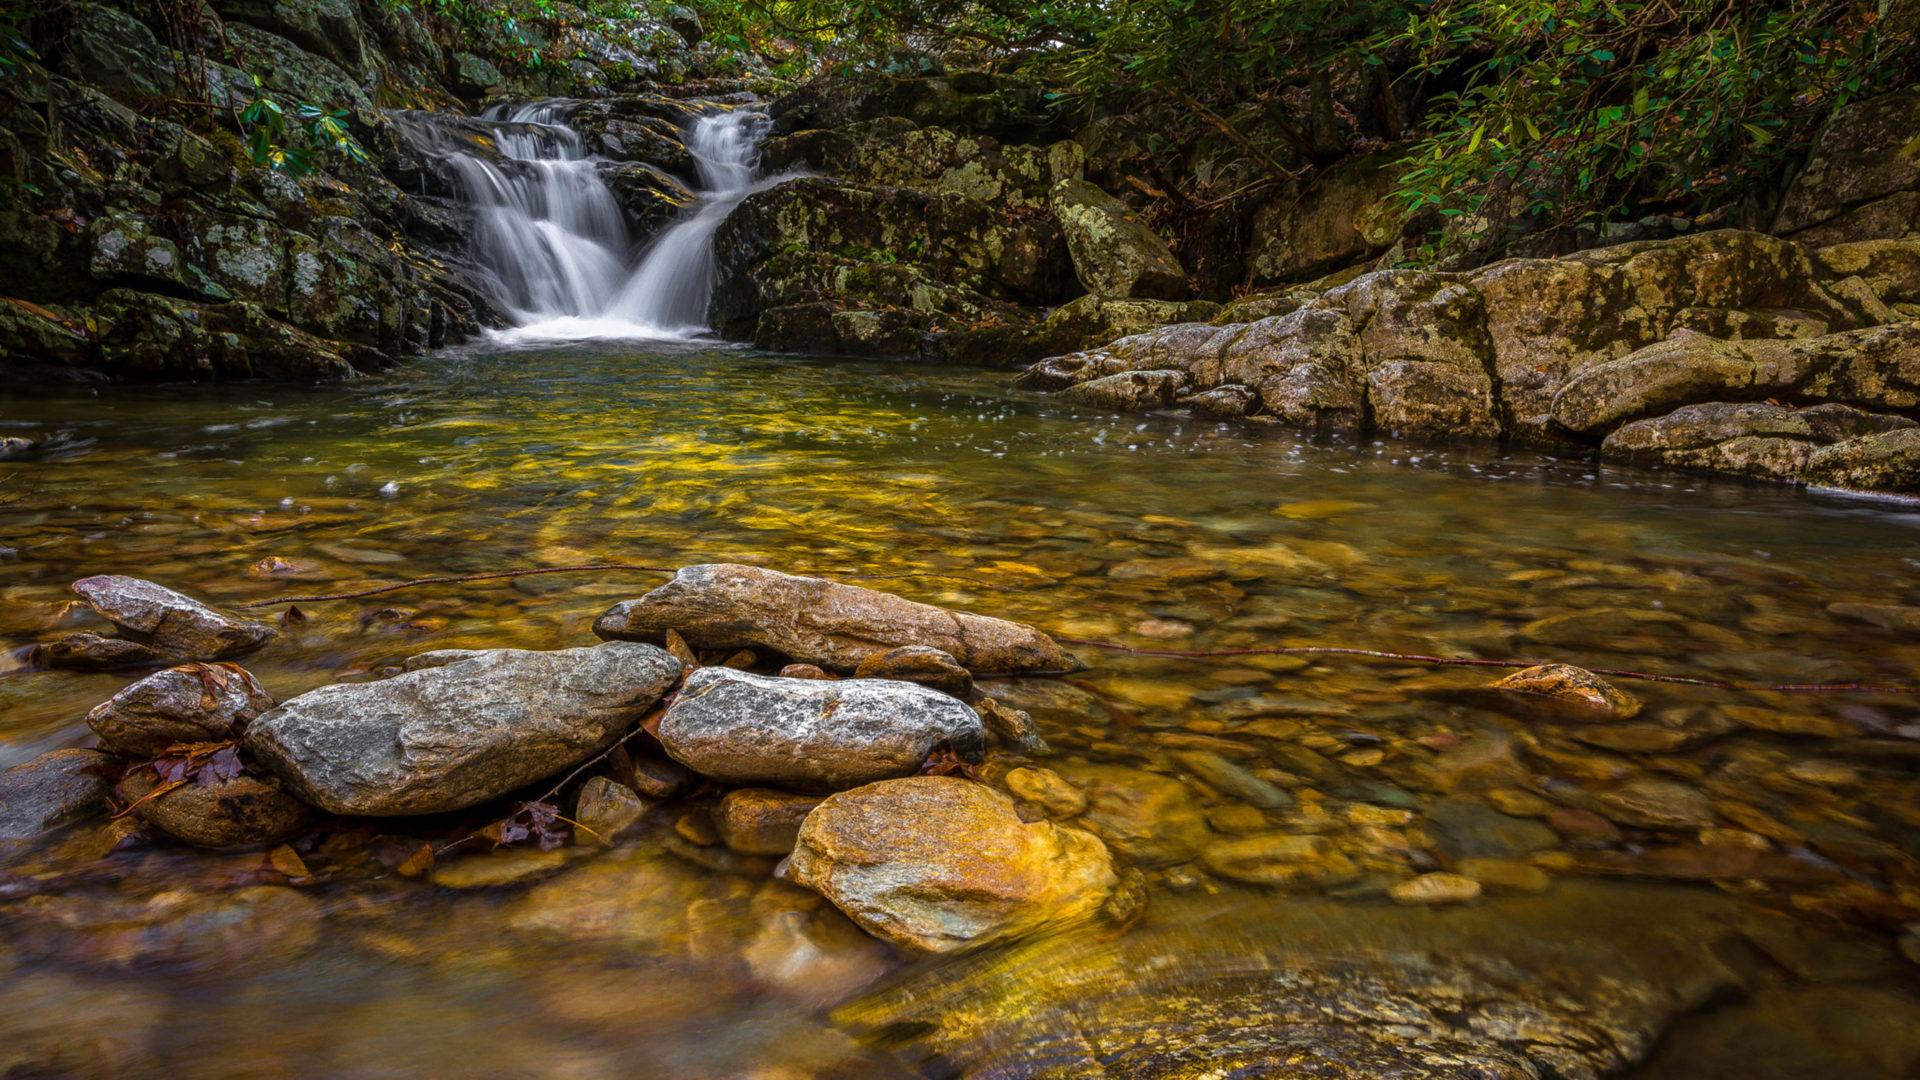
[(187, 704), (1519, 803), (1013, 727), (179, 626), (966, 871), (761, 821), (1164, 629), (607, 811), (1048, 790), (1910, 942), (1363, 759), (1148, 819), (1656, 804), (1174, 571), (1464, 830), (1366, 814), (1581, 692), (239, 812), (1733, 838), (1435, 888), (807, 671), (696, 827), (1582, 825), (657, 777), (740, 728), (1895, 617), (1232, 780), (919, 664), (1238, 819), (1281, 859), (498, 868), (1505, 875)]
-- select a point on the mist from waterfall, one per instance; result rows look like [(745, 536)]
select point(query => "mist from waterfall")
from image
[(551, 232)]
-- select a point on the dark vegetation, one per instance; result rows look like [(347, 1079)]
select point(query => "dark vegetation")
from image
[(1543, 118)]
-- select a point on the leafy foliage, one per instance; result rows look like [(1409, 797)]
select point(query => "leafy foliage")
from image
[(1572, 111), (1537, 115), (267, 129)]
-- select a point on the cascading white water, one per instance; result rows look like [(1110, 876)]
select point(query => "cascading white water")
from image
[(552, 234)]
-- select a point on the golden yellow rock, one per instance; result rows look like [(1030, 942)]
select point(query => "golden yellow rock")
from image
[(937, 864), (1583, 692), (1436, 888)]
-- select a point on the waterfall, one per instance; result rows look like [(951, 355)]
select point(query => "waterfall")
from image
[(552, 235)]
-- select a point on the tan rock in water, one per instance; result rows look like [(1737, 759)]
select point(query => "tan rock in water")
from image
[(761, 821), (1437, 888), (1281, 859), (239, 812), (190, 703), (815, 621), (938, 864), (1582, 692)]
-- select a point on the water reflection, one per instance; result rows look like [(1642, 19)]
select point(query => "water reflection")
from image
[(1152, 531)]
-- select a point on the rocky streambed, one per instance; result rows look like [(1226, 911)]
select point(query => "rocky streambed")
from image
[(1381, 865)]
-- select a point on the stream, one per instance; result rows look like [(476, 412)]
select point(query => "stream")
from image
[(1722, 886), (1155, 532)]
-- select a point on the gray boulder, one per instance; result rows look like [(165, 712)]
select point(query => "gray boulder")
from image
[(809, 735), (176, 625), (815, 621), (50, 791), (447, 737)]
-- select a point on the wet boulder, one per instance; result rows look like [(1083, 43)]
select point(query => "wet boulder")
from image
[(241, 811), (938, 864), (176, 625), (1749, 438), (812, 620), (1115, 254), (447, 737), (1884, 462), (809, 735), (1132, 390), (186, 704), (52, 790), (1683, 370)]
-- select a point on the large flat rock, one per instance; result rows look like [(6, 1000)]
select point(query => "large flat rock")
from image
[(815, 621), (447, 737)]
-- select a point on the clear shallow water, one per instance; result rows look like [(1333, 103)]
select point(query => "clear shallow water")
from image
[(494, 460)]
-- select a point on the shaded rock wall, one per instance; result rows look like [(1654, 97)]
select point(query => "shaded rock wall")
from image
[(139, 239)]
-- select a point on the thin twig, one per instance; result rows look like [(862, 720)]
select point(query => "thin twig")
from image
[(1463, 661)]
